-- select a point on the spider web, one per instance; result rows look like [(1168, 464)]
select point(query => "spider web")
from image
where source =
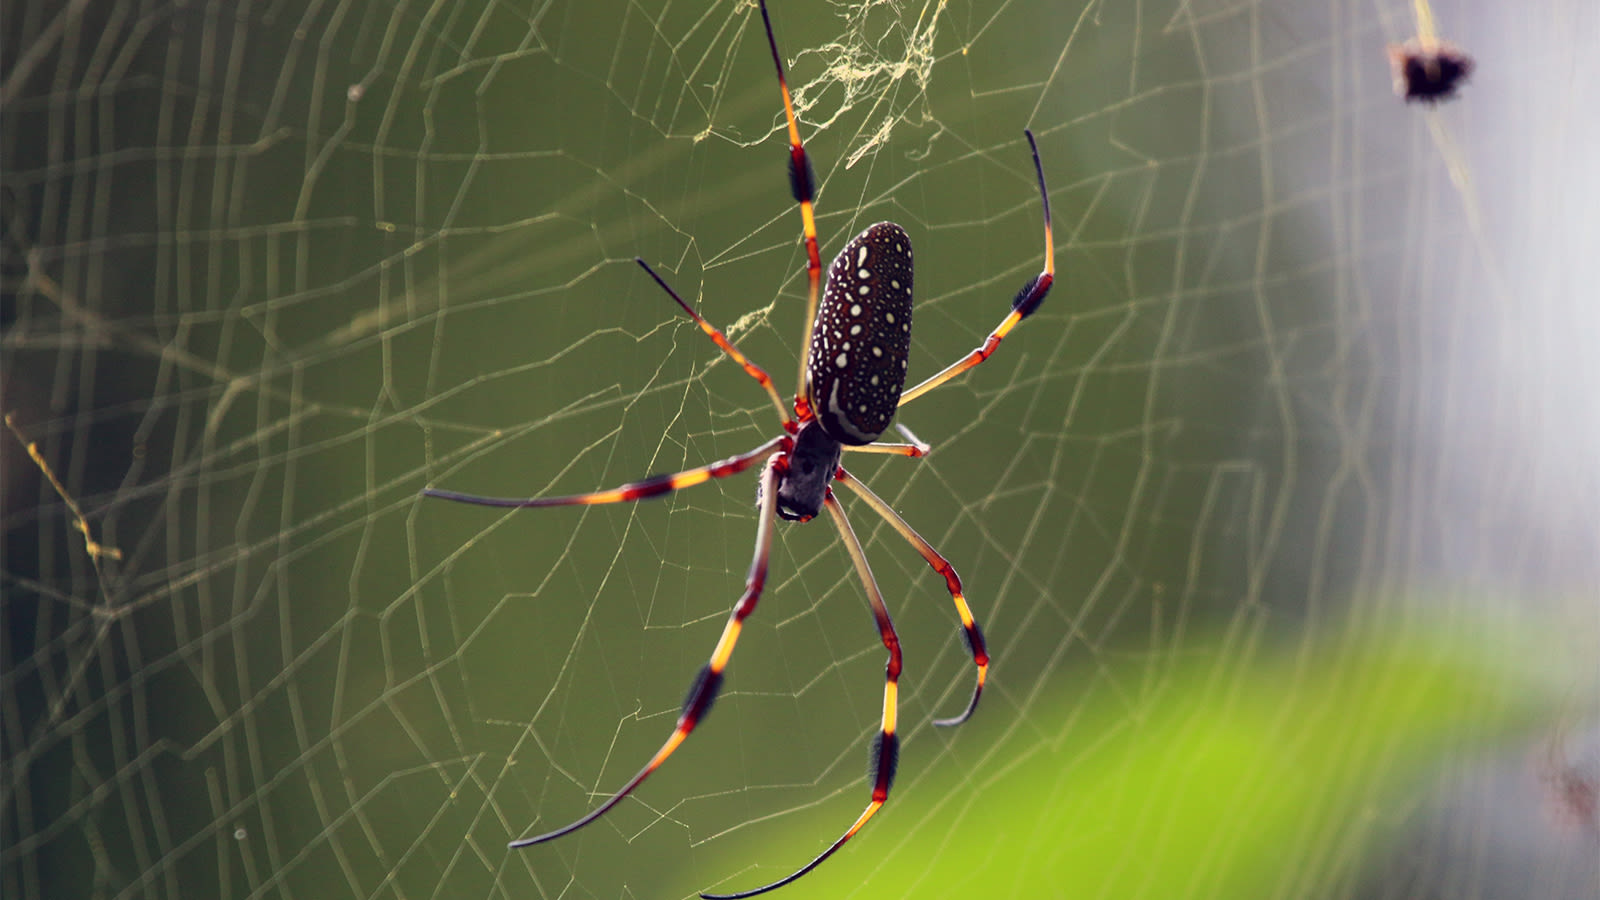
[(1314, 374)]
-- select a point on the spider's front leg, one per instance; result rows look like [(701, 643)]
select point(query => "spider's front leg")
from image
[(886, 747), (706, 684), (952, 583)]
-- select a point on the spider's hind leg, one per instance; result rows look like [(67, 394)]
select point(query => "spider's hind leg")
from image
[(1022, 306), (721, 340)]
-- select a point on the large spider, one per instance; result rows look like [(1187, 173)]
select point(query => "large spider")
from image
[(850, 386)]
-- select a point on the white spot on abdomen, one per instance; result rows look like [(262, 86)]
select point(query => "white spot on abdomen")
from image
[(839, 415)]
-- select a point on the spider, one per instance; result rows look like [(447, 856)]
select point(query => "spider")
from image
[(850, 385), (1429, 71)]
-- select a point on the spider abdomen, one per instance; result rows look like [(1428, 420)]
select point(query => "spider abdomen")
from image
[(856, 367)]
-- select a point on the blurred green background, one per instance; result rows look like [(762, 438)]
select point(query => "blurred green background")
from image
[(1279, 515)]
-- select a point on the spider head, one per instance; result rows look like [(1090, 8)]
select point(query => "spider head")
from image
[(810, 467)]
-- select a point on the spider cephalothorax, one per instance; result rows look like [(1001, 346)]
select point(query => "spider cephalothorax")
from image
[(808, 470)]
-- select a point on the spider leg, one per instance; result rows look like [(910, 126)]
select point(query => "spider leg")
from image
[(802, 182), (706, 684), (753, 370), (638, 490), (886, 749), (1027, 299), (914, 451), (952, 583), (917, 449)]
